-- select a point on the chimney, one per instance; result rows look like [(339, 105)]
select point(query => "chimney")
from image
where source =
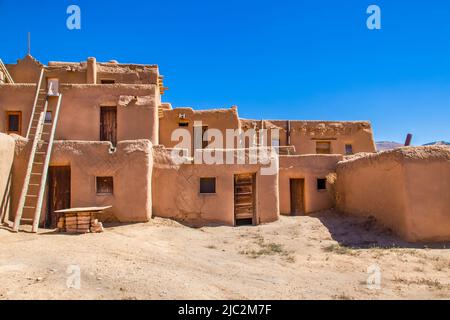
[(91, 74), (408, 140)]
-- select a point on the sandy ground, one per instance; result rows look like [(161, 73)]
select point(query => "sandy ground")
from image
[(324, 256)]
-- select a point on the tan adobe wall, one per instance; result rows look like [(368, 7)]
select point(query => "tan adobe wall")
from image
[(27, 70), (79, 117), (405, 189), (310, 168), (305, 134), (220, 119), (176, 191), (16, 97), (7, 146), (130, 166)]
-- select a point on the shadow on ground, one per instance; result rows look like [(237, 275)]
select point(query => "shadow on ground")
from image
[(366, 233)]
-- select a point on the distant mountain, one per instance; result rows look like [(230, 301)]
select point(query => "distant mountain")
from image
[(438, 143), (387, 145)]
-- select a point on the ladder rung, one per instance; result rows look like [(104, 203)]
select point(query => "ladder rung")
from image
[(33, 184), (28, 207), (40, 152), (38, 163), (32, 195), (36, 174)]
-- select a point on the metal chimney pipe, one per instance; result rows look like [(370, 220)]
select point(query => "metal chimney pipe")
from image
[(408, 140)]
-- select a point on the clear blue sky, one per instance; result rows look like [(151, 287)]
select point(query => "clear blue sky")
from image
[(302, 59)]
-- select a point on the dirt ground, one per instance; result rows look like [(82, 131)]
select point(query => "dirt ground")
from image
[(324, 256)]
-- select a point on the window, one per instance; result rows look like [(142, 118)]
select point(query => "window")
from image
[(14, 122), (107, 81), (207, 185), (323, 147), (321, 184), (48, 117), (348, 149), (105, 185), (183, 123)]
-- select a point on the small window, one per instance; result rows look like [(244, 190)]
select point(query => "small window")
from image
[(183, 123), (207, 185), (105, 185), (107, 81), (348, 149), (48, 117), (323, 147), (14, 121), (321, 184)]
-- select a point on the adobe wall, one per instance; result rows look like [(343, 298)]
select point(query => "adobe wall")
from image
[(130, 166), (305, 134), (27, 70), (310, 168), (405, 189), (79, 117), (176, 191), (220, 119), (16, 97), (7, 146)]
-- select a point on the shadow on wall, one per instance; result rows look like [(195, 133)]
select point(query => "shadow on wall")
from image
[(5, 201), (366, 233)]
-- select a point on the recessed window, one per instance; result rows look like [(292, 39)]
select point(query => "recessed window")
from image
[(321, 184), (183, 123), (48, 117), (207, 185), (105, 185), (348, 149), (107, 81), (323, 147), (14, 121)]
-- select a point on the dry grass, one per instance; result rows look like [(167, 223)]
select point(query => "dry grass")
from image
[(339, 249)]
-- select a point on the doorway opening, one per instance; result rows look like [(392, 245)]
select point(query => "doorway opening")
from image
[(244, 199), (297, 196), (58, 184)]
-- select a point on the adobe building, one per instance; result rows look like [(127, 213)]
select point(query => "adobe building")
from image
[(98, 134)]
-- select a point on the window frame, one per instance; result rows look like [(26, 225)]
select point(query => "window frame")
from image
[(200, 185), (14, 113), (323, 142), (97, 185), (318, 181), (351, 148)]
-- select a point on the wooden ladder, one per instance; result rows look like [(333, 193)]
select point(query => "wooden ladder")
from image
[(43, 133), (5, 72)]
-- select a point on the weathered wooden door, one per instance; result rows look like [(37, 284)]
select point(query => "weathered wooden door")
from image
[(58, 193), (244, 199), (108, 124), (297, 196)]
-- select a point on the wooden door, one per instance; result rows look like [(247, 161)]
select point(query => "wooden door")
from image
[(244, 199), (297, 196), (108, 124), (58, 193)]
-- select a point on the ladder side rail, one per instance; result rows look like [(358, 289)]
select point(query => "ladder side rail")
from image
[(38, 88), (7, 75), (37, 213), (26, 182)]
